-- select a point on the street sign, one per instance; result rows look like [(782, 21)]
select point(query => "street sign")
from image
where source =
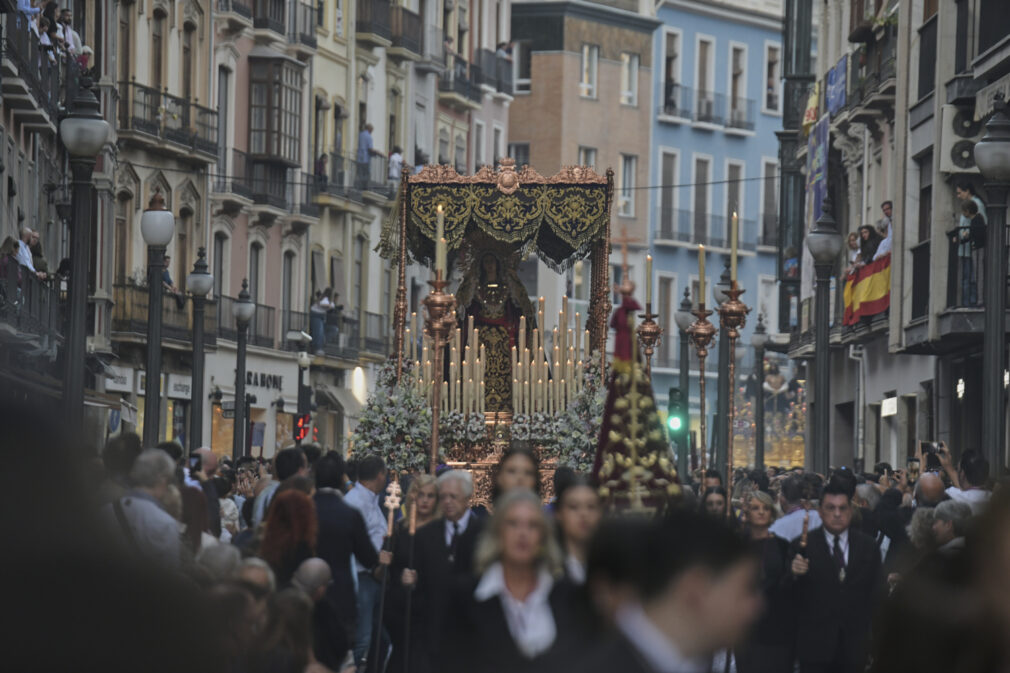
[(228, 409)]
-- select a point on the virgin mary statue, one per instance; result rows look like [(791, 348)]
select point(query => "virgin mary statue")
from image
[(492, 294)]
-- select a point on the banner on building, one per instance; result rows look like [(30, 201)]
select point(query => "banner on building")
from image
[(868, 290), (837, 82), (817, 190)]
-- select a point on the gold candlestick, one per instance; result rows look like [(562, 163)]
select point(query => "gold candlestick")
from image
[(439, 323), (701, 333), (649, 335), (732, 316)]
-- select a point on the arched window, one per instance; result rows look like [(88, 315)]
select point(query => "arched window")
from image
[(217, 263)]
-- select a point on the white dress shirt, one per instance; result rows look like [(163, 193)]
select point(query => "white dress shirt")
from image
[(576, 570), (25, 256), (366, 502), (976, 498), (531, 621), (463, 522), (155, 533), (790, 526), (652, 645), (843, 542)]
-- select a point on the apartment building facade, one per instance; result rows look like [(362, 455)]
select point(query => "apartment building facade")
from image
[(718, 101), (583, 96)]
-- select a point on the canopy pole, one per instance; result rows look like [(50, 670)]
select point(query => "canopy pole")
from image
[(400, 310), (600, 305)]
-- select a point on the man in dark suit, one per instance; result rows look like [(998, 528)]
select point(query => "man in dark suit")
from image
[(341, 533), (676, 591), (443, 556), (836, 580)]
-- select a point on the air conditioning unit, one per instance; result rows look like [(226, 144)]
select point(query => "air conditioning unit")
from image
[(957, 141)]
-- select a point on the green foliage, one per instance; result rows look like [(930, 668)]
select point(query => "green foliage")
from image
[(578, 429)]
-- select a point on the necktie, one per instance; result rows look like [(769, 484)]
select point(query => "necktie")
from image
[(839, 559), (454, 542)]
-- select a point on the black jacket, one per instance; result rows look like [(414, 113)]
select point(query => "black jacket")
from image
[(342, 533), (436, 576), (476, 637), (833, 616)]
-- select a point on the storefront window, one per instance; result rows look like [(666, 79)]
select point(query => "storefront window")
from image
[(222, 432), (284, 436)]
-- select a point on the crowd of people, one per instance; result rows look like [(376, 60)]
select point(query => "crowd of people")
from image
[(180, 562), (53, 27)]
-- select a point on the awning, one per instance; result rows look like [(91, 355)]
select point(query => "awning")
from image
[(341, 398)]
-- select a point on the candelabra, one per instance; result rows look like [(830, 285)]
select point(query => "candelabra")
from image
[(649, 334), (701, 333), (439, 324), (732, 316)]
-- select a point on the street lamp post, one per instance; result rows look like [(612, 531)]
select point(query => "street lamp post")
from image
[(157, 226), (759, 339), (825, 244), (84, 133), (684, 320), (992, 154), (199, 283), (304, 390), (243, 310), (719, 449)]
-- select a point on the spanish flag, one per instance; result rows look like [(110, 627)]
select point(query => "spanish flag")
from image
[(868, 290)]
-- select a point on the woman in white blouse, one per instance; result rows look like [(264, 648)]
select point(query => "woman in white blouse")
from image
[(516, 615)]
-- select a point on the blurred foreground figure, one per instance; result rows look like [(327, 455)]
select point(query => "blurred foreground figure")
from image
[(74, 600), (677, 591)]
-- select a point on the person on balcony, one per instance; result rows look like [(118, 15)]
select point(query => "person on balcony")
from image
[(24, 255), (26, 8), (969, 236), (71, 38), (884, 227), (366, 150), (869, 242), (169, 286), (317, 315), (395, 164)]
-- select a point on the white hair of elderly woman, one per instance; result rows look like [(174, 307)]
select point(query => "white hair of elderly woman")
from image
[(152, 468)]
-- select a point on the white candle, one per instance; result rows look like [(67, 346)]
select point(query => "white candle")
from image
[(734, 234), (648, 279), (701, 275)]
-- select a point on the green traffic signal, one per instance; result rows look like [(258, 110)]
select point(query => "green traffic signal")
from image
[(675, 423)]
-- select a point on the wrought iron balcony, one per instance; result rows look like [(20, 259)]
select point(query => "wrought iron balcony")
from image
[(302, 27), (374, 22), (709, 107), (159, 115), (33, 75), (495, 71), (405, 27), (376, 334), (270, 15), (457, 83), (741, 114), (677, 101), (261, 327), (233, 176), (29, 307), (131, 307), (686, 226)]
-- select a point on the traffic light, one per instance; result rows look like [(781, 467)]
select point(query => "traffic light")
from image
[(301, 430), (676, 414)]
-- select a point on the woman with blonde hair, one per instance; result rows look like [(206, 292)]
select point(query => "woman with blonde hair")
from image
[(516, 615), (423, 493), (769, 649)]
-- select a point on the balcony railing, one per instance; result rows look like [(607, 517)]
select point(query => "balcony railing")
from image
[(269, 15), (269, 186), (677, 100), (42, 75), (303, 23), (966, 266), (769, 234), (710, 107), (373, 18), (342, 338), (495, 70), (28, 304), (234, 177), (335, 176), (261, 327), (131, 307), (239, 7), (880, 66), (376, 335), (405, 27), (693, 227), (458, 79), (373, 175), (303, 193), (741, 114), (156, 113), (294, 321)]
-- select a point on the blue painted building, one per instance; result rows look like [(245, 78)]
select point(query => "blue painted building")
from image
[(718, 96)]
